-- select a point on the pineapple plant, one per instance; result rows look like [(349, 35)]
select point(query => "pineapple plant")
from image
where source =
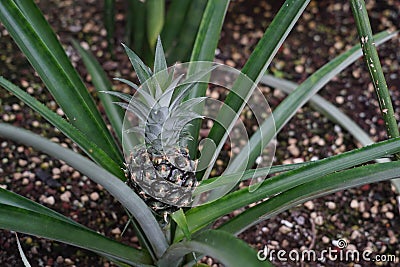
[(160, 169)]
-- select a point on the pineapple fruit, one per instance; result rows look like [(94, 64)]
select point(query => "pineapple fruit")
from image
[(161, 171)]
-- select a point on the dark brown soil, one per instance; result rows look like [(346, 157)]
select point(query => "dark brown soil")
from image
[(366, 217)]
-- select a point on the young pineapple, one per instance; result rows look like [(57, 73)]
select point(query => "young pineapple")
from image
[(160, 170)]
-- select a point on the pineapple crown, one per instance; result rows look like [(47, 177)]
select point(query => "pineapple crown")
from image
[(159, 102)]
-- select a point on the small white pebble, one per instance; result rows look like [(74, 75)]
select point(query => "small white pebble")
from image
[(35, 124), (36, 160), (309, 205), (351, 247), (366, 215), (287, 223), (60, 112), (331, 205), (16, 107), (298, 160), (17, 176), (294, 150), (94, 196), (354, 204), (65, 196), (374, 210), (389, 215), (292, 141), (274, 243), (65, 168), (321, 142), (6, 117), (60, 259), (284, 229), (339, 141), (299, 69), (387, 207), (355, 234), (278, 93), (75, 175), (339, 99), (361, 207), (24, 83), (392, 237), (313, 215), (315, 139), (325, 239), (84, 198), (319, 220), (56, 171), (68, 261), (34, 250), (22, 162), (49, 200), (116, 231)]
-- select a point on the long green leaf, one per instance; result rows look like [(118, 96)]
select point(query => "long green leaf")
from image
[(129, 23), (201, 216), (137, 25), (180, 219), (27, 209), (142, 71), (102, 83), (204, 50), (373, 64), (155, 12), (34, 223), (288, 107), (15, 200), (254, 68), (143, 241), (209, 31), (323, 106), (160, 64), (184, 43), (212, 183), (112, 184), (109, 22), (333, 113), (92, 150), (320, 187), (220, 245), (35, 38), (174, 22)]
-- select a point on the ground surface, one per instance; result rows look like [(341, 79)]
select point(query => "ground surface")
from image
[(366, 217)]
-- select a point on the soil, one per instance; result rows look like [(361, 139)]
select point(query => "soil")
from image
[(367, 217)]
